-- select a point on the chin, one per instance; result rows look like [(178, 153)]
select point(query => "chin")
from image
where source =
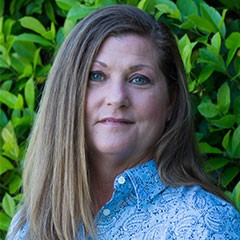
[(114, 150)]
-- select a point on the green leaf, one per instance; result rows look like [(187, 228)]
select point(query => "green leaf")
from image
[(5, 165), (191, 85), (3, 63), (208, 55), (206, 148), (19, 103), (78, 12), (211, 56), (226, 142), (27, 71), (60, 36), (8, 99), (102, 3), (29, 93), (68, 26), (15, 184), (232, 43), (7, 27), (216, 42), (185, 48), (236, 64), (236, 109), (231, 4), (18, 62), (37, 58), (8, 205), (230, 56), (50, 35), (202, 23), (228, 175), (5, 50), (132, 2), (187, 25), (66, 4), (10, 146), (208, 109), (205, 73), (34, 7), (215, 164), (225, 122), (9, 42), (48, 7), (223, 98), (22, 121), (11, 100), (1, 25), (143, 4), (7, 85), (236, 195), (236, 141), (214, 18), (3, 118), (15, 113), (28, 37), (221, 24), (1, 8), (18, 197), (233, 40), (25, 49), (187, 7), (33, 24), (167, 7), (4, 221)]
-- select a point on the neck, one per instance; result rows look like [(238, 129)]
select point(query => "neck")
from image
[(103, 173), (102, 180)]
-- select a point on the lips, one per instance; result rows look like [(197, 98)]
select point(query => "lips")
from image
[(115, 120)]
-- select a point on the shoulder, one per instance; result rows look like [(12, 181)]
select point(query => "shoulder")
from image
[(198, 199), (194, 211)]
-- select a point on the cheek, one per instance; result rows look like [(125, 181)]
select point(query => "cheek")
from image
[(90, 104), (153, 120), (156, 113), (87, 110), (155, 106)]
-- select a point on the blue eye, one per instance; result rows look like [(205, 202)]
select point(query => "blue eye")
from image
[(96, 76), (140, 80)]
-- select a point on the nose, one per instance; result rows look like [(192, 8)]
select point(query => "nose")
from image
[(117, 95)]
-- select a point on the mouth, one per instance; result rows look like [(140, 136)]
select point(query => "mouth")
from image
[(116, 121)]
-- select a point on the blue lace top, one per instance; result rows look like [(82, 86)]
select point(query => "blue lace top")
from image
[(144, 208)]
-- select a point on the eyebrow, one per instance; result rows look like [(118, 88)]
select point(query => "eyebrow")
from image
[(140, 66), (132, 68), (101, 63)]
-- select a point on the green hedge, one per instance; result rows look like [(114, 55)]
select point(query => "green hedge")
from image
[(208, 34)]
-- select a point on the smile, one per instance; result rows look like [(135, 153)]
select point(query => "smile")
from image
[(115, 121)]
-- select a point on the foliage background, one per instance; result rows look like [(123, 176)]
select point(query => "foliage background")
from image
[(208, 34)]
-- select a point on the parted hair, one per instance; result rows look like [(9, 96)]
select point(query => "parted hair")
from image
[(56, 186)]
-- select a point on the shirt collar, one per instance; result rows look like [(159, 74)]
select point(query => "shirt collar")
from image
[(145, 181)]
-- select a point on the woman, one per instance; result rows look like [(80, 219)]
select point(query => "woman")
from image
[(112, 153)]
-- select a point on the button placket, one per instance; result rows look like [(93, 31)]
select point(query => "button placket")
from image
[(118, 195)]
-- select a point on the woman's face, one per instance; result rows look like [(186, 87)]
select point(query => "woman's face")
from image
[(127, 102)]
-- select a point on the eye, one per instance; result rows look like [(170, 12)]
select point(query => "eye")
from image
[(140, 80), (96, 76)]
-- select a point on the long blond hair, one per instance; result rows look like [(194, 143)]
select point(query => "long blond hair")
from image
[(57, 194)]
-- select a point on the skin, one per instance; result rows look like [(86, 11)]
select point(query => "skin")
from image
[(127, 106)]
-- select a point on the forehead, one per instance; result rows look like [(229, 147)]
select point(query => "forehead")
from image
[(129, 45)]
